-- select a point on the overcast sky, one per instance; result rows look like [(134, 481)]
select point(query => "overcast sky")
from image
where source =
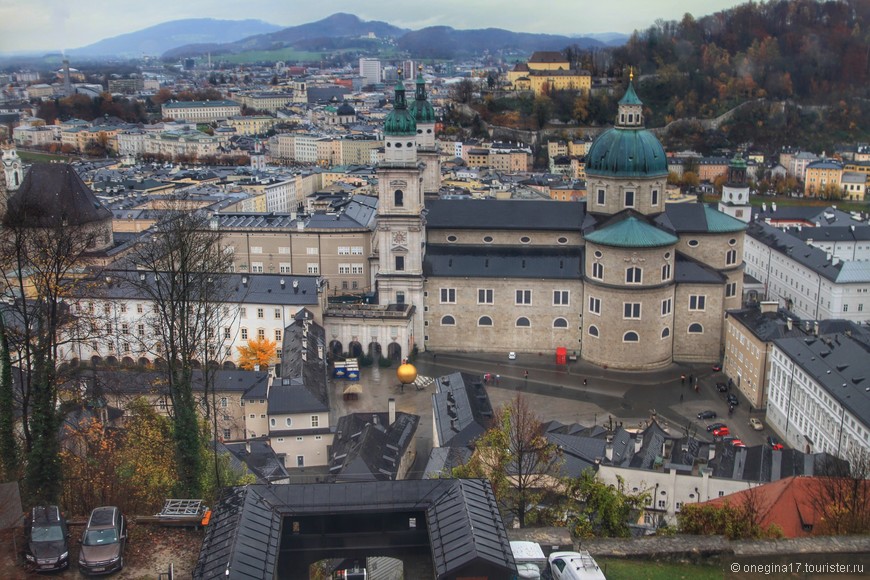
[(44, 25)]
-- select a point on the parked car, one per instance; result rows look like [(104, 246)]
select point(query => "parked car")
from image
[(732, 399), (756, 424), (722, 387), (512, 355), (708, 414), (774, 443), (574, 566), (721, 432), (714, 426), (737, 443), (47, 539), (102, 550), (717, 367)]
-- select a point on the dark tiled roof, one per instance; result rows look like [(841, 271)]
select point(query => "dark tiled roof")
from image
[(366, 448), (261, 460), (491, 214), (690, 271), (461, 409), (464, 525), (698, 218), (503, 261), (53, 194), (303, 383), (442, 461)]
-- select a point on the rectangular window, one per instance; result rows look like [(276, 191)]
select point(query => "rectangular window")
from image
[(600, 199), (633, 276), (484, 296), (631, 310), (226, 433), (278, 334), (629, 199), (560, 298), (284, 268), (256, 249), (139, 309), (261, 333), (277, 314), (356, 250), (597, 271), (666, 272), (666, 307), (243, 312), (654, 197), (244, 334), (260, 313), (311, 251), (344, 268), (284, 250), (731, 290), (224, 402), (313, 268), (448, 296), (315, 420), (125, 328), (356, 269), (141, 329), (524, 297), (256, 267), (344, 250), (697, 302), (845, 308), (400, 263), (594, 305)]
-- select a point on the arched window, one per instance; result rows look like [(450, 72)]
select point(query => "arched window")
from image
[(523, 321), (560, 323), (398, 198), (288, 422), (666, 332), (593, 331), (630, 336), (633, 275), (695, 328), (731, 257), (448, 320), (484, 321)]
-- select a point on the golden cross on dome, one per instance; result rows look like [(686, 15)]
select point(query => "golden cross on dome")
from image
[(631, 74)]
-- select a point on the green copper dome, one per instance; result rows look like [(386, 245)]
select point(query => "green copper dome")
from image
[(630, 97), (400, 122), (627, 153), (420, 107)]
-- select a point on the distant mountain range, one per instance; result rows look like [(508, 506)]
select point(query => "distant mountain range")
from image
[(195, 37), (161, 37)]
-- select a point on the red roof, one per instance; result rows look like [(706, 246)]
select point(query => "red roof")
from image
[(789, 503)]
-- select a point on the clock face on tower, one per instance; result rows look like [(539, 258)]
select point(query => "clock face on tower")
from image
[(399, 237)]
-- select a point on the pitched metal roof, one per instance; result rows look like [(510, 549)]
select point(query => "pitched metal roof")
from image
[(461, 409), (698, 218), (464, 526), (367, 448), (503, 261), (631, 232)]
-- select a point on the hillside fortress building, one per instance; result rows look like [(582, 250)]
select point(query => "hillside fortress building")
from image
[(622, 280)]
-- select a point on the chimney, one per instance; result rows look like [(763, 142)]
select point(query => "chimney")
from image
[(608, 451), (300, 225), (768, 306), (788, 323), (638, 442), (773, 206), (816, 327), (391, 409)]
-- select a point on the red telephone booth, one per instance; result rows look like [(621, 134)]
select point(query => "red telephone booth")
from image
[(561, 355)]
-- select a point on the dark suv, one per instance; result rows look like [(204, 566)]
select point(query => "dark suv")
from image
[(47, 539), (102, 550)]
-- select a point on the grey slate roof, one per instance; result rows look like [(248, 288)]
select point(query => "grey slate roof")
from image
[(690, 271), (763, 464), (796, 249), (697, 218), (303, 384), (461, 409), (769, 326), (261, 460), (491, 214), (463, 523), (839, 364), (503, 261), (442, 460), (366, 448), (240, 288), (53, 194), (132, 382)]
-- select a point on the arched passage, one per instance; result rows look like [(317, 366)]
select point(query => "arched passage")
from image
[(394, 352), (375, 350), (354, 349), (336, 348), (144, 361), (229, 365)]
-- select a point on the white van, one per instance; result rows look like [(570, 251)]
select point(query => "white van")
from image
[(530, 560), (574, 566)]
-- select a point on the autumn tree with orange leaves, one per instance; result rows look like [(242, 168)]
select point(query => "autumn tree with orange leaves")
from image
[(258, 352)]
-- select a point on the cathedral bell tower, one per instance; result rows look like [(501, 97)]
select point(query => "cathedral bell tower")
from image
[(427, 151), (401, 233), (735, 191)]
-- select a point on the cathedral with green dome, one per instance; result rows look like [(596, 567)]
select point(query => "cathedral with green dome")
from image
[(623, 280)]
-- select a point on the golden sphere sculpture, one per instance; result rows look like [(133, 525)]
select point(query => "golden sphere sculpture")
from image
[(406, 373)]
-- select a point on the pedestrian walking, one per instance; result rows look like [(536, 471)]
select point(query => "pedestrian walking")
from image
[(683, 379), (526, 375), (691, 379), (497, 378), (584, 382), (681, 397)]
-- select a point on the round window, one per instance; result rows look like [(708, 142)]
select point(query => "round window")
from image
[(525, 239), (562, 240), (732, 242), (451, 239), (693, 243), (487, 239), (398, 145), (597, 254), (667, 255)]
